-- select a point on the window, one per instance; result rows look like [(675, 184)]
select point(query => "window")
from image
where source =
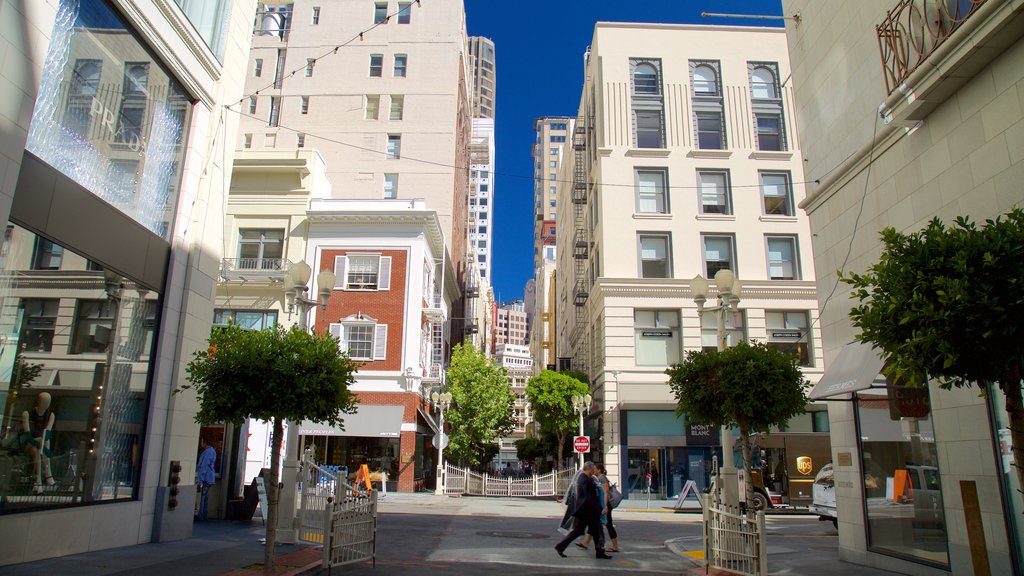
[(248, 319), (46, 255), (553, 151), (38, 322), (404, 12), (788, 332), (270, 140), (394, 150), (551, 203), (650, 191), (769, 132), (710, 131), (657, 341), (304, 104), (776, 193), (762, 82), (359, 338), (86, 77), (782, 262), (310, 63), (279, 73), (655, 260), (257, 69), (705, 80), (300, 140), (315, 18), (275, 111), (553, 164), (551, 190), (260, 249), (400, 63), (558, 138), (391, 186), (718, 254), (372, 106), (94, 323), (252, 104), (557, 125), (735, 330), (247, 141), (714, 192), (363, 272), (397, 107), (380, 13), (900, 463), (648, 128), (645, 79), (376, 65), (551, 176)]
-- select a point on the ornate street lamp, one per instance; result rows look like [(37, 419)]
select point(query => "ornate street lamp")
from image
[(582, 406), (443, 401), (729, 289)]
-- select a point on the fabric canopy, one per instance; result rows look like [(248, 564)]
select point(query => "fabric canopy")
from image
[(854, 369), (369, 420)]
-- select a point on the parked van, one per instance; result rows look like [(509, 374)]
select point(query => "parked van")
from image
[(824, 495)]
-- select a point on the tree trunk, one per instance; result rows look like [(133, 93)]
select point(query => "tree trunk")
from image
[(749, 484), (561, 448), (1011, 386), (273, 496)]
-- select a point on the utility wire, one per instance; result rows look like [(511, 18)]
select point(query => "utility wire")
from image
[(333, 50)]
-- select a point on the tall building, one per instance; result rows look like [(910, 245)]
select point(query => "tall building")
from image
[(482, 63), (510, 324), (481, 155), (352, 160), (115, 173), (517, 363), (549, 149), (684, 156), (924, 121)]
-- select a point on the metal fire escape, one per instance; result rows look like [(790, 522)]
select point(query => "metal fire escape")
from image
[(581, 240)]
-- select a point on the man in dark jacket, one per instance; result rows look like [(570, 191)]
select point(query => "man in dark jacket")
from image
[(586, 508)]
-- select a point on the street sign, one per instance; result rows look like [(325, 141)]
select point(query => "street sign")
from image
[(440, 440), (581, 444)]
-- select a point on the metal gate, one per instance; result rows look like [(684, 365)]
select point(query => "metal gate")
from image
[(459, 481), (333, 513)]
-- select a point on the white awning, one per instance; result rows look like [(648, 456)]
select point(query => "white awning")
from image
[(369, 420), (854, 369)]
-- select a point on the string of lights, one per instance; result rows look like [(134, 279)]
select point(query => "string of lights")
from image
[(329, 52)]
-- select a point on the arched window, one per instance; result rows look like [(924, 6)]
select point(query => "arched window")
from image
[(86, 78), (762, 83), (136, 77), (645, 80), (705, 81)]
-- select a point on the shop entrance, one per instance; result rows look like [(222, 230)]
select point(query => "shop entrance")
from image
[(668, 469)]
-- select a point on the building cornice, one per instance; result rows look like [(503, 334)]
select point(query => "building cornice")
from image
[(678, 288)]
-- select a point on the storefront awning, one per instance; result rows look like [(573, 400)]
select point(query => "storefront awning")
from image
[(854, 369), (369, 420)]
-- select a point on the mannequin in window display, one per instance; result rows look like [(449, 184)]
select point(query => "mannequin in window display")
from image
[(37, 423)]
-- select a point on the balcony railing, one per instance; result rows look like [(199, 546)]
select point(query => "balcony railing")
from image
[(273, 23), (254, 268), (913, 30), (433, 374), (436, 311)]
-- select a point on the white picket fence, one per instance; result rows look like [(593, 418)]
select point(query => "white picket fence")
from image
[(337, 515), (462, 481), (733, 541)]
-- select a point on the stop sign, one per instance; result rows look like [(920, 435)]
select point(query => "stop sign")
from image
[(581, 444)]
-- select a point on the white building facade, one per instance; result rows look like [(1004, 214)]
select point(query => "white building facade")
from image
[(683, 159)]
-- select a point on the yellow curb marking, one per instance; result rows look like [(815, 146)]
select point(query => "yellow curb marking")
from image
[(698, 554)]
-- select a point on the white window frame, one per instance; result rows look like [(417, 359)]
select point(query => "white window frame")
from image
[(725, 207), (310, 64), (304, 105), (390, 186), (660, 197), (405, 12), (380, 12), (777, 263), (375, 347), (314, 19), (397, 111), (403, 68), (376, 65), (654, 329), (704, 253), (300, 140), (372, 107), (788, 325), (666, 237), (394, 147), (787, 195), (382, 269), (253, 102)]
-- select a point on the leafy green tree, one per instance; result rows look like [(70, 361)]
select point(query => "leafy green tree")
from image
[(482, 405), (946, 303), (550, 395), (273, 375), (750, 386)]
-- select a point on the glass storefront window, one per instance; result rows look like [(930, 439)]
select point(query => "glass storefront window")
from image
[(902, 483), (379, 455), (75, 364), (210, 19), (1012, 496), (109, 116)]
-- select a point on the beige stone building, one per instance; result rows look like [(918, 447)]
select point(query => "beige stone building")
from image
[(905, 119), (115, 150), (683, 162)]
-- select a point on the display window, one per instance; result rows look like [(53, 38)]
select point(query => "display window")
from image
[(76, 357)]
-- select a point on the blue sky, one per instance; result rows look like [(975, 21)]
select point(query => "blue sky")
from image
[(541, 43)]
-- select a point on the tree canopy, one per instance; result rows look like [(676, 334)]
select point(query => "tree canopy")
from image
[(482, 405), (750, 386), (946, 303), (273, 374), (550, 395)]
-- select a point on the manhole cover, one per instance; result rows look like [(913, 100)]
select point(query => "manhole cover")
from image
[(510, 534)]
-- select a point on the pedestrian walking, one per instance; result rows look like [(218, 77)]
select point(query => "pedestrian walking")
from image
[(601, 476), (205, 476), (586, 511)]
